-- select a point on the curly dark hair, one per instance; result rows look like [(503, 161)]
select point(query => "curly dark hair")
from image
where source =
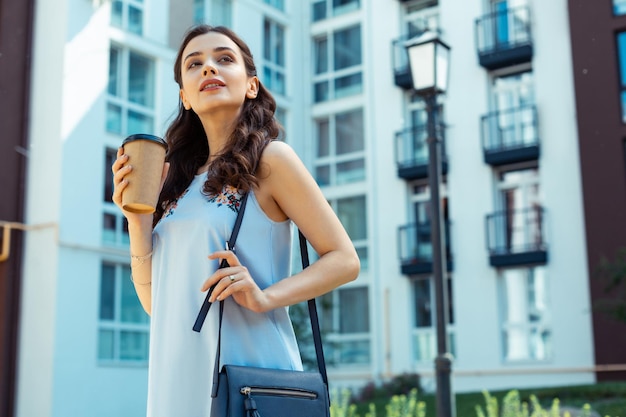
[(237, 163)]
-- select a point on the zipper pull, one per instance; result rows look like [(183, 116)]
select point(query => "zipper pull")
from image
[(249, 404)]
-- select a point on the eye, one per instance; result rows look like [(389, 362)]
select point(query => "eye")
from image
[(226, 58), (193, 64)]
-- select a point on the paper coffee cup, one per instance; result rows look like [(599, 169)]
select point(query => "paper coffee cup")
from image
[(146, 154)]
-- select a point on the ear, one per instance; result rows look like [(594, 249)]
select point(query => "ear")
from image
[(184, 100), (253, 87)]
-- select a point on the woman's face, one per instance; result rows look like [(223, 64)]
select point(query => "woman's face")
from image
[(214, 76)]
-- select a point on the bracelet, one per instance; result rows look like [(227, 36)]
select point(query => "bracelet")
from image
[(140, 259), (139, 283)]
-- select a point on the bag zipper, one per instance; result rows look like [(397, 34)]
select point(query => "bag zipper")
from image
[(286, 392)]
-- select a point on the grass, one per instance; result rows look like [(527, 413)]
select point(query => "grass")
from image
[(607, 399)]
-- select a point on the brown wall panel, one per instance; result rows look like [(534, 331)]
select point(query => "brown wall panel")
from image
[(601, 133), (15, 47)]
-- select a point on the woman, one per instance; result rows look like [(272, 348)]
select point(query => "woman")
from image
[(222, 144)]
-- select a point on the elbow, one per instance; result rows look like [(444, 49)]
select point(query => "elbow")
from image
[(353, 267)]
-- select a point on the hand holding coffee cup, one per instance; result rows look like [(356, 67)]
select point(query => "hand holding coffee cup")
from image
[(146, 154)]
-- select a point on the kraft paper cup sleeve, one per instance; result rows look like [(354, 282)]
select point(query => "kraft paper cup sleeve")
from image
[(146, 154)]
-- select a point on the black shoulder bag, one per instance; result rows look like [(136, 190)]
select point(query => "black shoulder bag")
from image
[(245, 391)]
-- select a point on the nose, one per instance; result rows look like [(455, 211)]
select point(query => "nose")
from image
[(208, 67)]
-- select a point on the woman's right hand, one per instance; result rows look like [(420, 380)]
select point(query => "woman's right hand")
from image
[(121, 168)]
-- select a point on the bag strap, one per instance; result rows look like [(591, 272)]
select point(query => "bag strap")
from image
[(315, 327), (230, 245)]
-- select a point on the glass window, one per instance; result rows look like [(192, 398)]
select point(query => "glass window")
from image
[(337, 64), (198, 11), (141, 80), (621, 50), (131, 89), (114, 224), (274, 57), (526, 326), (519, 224), (279, 4), (352, 213), (347, 48), (345, 318), (619, 7), (424, 331), (324, 8), (128, 15), (123, 324), (340, 148)]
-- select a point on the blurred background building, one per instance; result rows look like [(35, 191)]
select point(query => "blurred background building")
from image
[(534, 184)]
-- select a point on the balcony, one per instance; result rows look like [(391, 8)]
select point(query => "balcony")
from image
[(412, 152), (517, 237), (503, 38), (416, 251), (510, 136)]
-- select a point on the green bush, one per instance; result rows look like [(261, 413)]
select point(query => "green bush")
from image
[(410, 405), (513, 406)]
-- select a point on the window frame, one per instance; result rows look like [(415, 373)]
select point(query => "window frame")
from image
[(325, 82), (424, 338), (272, 62), (338, 341), (116, 325), (332, 160), (119, 80), (507, 326), (124, 23)]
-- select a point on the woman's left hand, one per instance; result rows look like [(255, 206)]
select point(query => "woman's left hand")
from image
[(237, 282)]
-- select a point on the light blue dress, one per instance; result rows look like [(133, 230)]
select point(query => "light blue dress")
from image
[(181, 361)]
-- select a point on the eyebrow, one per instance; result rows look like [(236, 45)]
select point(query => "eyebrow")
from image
[(217, 49)]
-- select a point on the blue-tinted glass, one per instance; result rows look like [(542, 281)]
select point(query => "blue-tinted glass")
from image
[(321, 56), (114, 62), (116, 13), (619, 7), (131, 310), (347, 48), (109, 227), (279, 45), (348, 85), (139, 123), (321, 92), (319, 10), (502, 23), (322, 175), (106, 344), (114, 119), (344, 6), (135, 20), (107, 292), (621, 50), (141, 80), (133, 346)]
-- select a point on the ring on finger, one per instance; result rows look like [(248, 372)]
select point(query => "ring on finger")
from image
[(231, 278)]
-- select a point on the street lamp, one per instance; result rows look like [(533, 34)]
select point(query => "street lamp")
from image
[(429, 63)]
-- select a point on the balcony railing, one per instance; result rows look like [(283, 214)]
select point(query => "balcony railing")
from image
[(510, 136), (399, 55), (412, 152), (503, 38), (416, 249), (517, 237)]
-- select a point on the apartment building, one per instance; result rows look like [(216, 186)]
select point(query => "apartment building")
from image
[(532, 197)]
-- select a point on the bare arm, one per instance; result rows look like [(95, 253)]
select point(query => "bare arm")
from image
[(289, 191), (139, 232)]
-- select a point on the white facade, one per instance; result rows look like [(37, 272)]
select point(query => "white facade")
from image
[(80, 353)]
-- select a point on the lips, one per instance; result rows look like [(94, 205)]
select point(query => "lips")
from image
[(209, 84)]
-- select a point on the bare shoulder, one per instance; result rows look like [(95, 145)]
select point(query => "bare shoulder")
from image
[(279, 157)]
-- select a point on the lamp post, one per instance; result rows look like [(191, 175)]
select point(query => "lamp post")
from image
[(429, 62)]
